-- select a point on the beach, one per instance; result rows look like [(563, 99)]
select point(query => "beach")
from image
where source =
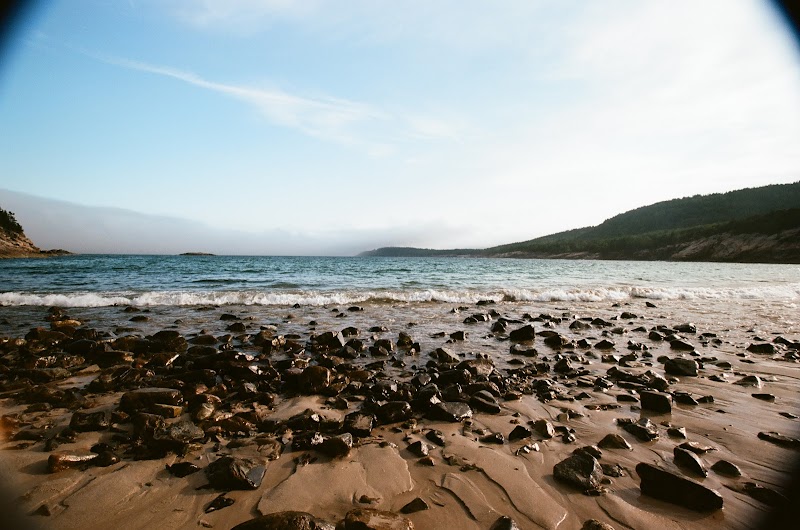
[(328, 425)]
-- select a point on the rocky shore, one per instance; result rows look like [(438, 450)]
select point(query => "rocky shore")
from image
[(496, 415)]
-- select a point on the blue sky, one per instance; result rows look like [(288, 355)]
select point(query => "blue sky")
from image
[(422, 123)]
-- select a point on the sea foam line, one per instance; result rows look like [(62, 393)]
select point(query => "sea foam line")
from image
[(320, 298)]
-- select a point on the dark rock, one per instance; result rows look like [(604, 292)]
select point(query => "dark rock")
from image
[(337, 446), (749, 380), (644, 429), (690, 461), (679, 366), (417, 505), (614, 441), (580, 470), (143, 398), (369, 519), (419, 448), (484, 401), (656, 401), (594, 524), (176, 435), (766, 495), (458, 335), (544, 428), (556, 341), (231, 473), (452, 411), (681, 345), (605, 344), (88, 421), (612, 470), (182, 469), (686, 328), (525, 333), (518, 433), (315, 379), (220, 502), (764, 397), (394, 412), (436, 437), (723, 467), (505, 523), (496, 438), (359, 424), (763, 348), (674, 489), (284, 521), (780, 439)]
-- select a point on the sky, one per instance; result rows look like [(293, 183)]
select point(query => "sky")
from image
[(436, 124)]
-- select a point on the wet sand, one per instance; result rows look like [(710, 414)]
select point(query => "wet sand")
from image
[(469, 482)]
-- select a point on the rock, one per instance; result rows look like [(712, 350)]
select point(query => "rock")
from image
[(594, 524), (525, 333), (419, 448), (182, 469), (644, 429), (666, 486), (723, 467), (749, 380), (505, 523), (88, 421), (656, 401), (690, 461), (369, 519), (143, 398), (780, 439), (176, 435), (605, 344), (417, 505), (359, 424), (766, 495), (220, 502), (686, 328), (681, 345), (580, 470), (337, 446), (614, 441), (764, 397), (484, 401), (231, 473), (62, 460), (284, 521), (315, 379), (518, 433), (452, 411), (544, 428), (764, 348), (679, 366), (394, 412), (436, 437)]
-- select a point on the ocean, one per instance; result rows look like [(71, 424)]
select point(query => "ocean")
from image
[(114, 280)]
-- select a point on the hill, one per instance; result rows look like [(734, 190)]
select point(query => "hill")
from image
[(15, 244), (749, 225)]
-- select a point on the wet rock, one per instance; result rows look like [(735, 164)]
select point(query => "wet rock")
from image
[(176, 435), (518, 433), (605, 344), (656, 401), (436, 437), (231, 473), (680, 366), (681, 345), (525, 333), (419, 448), (452, 411), (505, 523), (614, 441), (63, 460), (417, 505), (723, 467), (394, 412), (666, 486), (766, 495), (644, 429), (749, 380), (780, 439), (594, 524), (580, 470), (143, 398), (686, 328), (315, 379), (88, 421), (288, 520), (458, 335), (484, 401), (369, 519), (337, 446), (182, 469), (359, 424), (689, 461), (764, 397), (220, 502)]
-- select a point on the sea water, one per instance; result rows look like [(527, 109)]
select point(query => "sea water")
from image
[(112, 280)]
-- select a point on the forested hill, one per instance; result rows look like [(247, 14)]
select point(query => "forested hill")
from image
[(15, 244), (749, 225)]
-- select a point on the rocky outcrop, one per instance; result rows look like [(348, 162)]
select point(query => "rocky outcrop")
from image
[(15, 244)]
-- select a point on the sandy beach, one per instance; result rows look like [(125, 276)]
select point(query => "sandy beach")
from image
[(329, 409)]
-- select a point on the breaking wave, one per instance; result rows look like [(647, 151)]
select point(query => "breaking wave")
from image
[(790, 292)]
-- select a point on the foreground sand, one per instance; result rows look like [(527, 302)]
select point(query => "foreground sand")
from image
[(472, 481)]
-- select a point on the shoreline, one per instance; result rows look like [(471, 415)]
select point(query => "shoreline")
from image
[(277, 362)]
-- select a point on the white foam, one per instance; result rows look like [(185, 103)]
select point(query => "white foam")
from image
[(788, 292)]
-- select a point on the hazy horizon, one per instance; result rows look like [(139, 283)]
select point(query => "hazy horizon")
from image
[(322, 128)]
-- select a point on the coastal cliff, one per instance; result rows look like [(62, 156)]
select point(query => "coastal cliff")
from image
[(15, 244)]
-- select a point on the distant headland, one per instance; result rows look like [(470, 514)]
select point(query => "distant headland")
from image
[(753, 225), (15, 244)]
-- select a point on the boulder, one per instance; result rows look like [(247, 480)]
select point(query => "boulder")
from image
[(231, 473), (524, 333), (580, 470), (284, 521), (680, 366), (661, 484), (452, 411), (656, 401)]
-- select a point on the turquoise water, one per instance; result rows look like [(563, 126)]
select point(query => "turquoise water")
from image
[(105, 280)]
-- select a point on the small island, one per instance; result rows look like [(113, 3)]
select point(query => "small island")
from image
[(196, 254)]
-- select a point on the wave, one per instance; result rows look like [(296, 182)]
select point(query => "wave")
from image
[(468, 296)]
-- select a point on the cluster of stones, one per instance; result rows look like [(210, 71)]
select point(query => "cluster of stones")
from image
[(177, 395)]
